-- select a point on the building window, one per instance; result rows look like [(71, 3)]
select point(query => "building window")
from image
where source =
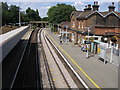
[(79, 24), (73, 24), (82, 24)]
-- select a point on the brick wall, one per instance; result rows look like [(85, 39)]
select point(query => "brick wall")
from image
[(102, 31), (72, 22), (96, 19), (91, 21), (100, 20), (111, 20)]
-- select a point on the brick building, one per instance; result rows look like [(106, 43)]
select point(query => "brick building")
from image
[(63, 26), (98, 23)]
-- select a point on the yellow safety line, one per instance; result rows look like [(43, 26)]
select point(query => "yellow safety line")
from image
[(76, 64)]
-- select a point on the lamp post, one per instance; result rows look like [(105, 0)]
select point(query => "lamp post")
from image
[(19, 15)]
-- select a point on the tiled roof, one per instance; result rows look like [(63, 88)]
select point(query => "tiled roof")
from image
[(104, 13), (76, 13), (118, 13), (65, 23), (86, 14)]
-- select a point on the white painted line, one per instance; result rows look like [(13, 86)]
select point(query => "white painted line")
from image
[(77, 75), (4, 37)]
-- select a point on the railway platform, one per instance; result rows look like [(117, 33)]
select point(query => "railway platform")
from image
[(92, 70), (58, 73)]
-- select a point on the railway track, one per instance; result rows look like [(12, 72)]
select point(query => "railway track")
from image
[(69, 78), (23, 71), (38, 63)]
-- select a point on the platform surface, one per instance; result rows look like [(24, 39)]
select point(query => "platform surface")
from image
[(103, 75)]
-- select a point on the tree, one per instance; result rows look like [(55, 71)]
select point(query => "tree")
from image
[(59, 13), (24, 17), (37, 15), (10, 14), (4, 12), (44, 19), (14, 13), (32, 14)]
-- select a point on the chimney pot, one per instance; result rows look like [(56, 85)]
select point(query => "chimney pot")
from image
[(85, 9), (111, 7), (112, 3), (95, 6), (94, 2), (89, 5), (88, 8)]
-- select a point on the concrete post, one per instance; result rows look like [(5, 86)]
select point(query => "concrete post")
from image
[(19, 16)]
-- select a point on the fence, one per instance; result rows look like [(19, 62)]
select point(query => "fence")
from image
[(110, 54)]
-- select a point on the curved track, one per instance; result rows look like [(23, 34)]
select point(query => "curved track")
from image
[(79, 83), (22, 66)]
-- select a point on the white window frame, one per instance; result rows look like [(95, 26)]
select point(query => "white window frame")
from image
[(79, 25), (82, 25), (73, 24)]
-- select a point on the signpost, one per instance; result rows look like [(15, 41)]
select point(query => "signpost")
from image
[(103, 53), (87, 42)]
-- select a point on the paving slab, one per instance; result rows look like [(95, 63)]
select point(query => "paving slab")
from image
[(104, 75)]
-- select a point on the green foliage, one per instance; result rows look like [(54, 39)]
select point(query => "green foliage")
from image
[(32, 15), (10, 14), (59, 13), (44, 19), (34, 27), (53, 29), (14, 13)]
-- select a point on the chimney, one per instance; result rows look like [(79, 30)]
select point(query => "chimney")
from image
[(95, 6), (111, 7), (88, 8), (85, 9)]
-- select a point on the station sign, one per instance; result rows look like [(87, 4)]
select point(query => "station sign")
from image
[(87, 42)]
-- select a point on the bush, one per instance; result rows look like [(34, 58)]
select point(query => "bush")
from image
[(53, 29), (33, 27), (114, 39)]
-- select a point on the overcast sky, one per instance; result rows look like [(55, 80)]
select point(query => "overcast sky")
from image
[(44, 6)]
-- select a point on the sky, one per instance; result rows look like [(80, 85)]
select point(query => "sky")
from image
[(43, 5)]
